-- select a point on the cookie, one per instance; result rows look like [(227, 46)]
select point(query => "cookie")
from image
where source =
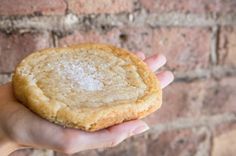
[(87, 86)]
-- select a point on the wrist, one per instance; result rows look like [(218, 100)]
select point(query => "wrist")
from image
[(6, 145)]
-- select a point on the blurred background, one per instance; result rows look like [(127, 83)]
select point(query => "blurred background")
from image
[(198, 116)]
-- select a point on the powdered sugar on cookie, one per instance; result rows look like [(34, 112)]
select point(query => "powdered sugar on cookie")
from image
[(81, 74)]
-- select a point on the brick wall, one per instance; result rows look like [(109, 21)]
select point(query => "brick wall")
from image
[(198, 117)]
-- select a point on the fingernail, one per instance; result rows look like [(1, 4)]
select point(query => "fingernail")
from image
[(140, 129)]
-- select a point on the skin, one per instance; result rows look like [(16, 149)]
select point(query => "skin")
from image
[(20, 128)]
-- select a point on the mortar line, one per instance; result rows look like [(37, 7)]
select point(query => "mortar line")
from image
[(214, 46), (141, 20), (67, 7), (211, 143), (54, 39), (185, 122), (206, 73), (6, 73)]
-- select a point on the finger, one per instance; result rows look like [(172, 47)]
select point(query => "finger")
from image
[(116, 134), (106, 138), (140, 55), (156, 61), (165, 78)]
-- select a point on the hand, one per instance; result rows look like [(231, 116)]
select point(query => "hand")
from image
[(20, 128)]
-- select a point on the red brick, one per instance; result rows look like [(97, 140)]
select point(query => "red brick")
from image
[(222, 135), (101, 6), (196, 99), (79, 37), (179, 143), (185, 48), (179, 100), (224, 128), (134, 39), (224, 139), (227, 46), (220, 96), (137, 39), (25, 7), (190, 6), (224, 144), (15, 47)]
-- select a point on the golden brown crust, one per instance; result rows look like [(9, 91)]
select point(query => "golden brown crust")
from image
[(85, 118)]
